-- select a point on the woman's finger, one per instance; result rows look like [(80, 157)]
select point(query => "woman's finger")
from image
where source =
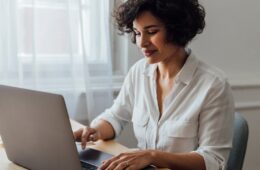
[(77, 134)]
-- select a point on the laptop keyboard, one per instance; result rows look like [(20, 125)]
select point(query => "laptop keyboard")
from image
[(89, 167)]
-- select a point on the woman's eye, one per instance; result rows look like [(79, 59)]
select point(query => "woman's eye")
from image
[(152, 32)]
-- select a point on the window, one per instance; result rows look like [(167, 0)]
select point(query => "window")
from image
[(57, 37)]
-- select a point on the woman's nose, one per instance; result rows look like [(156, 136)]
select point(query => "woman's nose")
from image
[(143, 41)]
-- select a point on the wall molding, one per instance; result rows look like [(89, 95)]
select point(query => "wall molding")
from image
[(252, 85), (245, 86), (243, 83), (247, 105)]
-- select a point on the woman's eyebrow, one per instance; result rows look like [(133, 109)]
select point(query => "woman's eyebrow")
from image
[(151, 26), (148, 27)]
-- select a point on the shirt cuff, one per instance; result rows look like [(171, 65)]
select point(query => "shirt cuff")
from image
[(211, 162), (109, 117)]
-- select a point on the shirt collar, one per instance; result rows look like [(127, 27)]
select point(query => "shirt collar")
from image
[(186, 73), (149, 69)]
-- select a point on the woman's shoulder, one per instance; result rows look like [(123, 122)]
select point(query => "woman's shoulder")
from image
[(208, 71), (136, 70), (212, 80), (139, 64), (142, 67)]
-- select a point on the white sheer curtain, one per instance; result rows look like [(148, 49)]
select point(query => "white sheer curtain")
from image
[(61, 46)]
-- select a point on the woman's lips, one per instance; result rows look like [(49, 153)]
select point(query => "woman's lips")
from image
[(149, 53)]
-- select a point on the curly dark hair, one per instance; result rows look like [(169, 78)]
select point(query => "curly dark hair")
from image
[(183, 19)]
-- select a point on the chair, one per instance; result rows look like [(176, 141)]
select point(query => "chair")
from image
[(237, 154)]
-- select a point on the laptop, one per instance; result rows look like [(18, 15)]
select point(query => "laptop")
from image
[(37, 134)]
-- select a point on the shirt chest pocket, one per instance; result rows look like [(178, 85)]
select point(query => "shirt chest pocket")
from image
[(182, 129), (140, 121), (181, 136)]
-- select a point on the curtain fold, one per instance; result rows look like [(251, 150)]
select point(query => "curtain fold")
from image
[(8, 42), (60, 46)]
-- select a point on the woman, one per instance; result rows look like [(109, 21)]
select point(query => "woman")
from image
[(181, 108)]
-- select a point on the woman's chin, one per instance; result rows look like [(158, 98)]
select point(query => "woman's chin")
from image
[(151, 60)]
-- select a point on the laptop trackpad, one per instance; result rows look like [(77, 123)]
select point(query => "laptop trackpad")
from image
[(93, 157)]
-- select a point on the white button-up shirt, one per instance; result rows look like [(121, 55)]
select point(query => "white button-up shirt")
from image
[(198, 115)]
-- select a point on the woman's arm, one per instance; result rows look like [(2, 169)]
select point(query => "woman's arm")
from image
[(111, 122), (104, 129), (180, 161)]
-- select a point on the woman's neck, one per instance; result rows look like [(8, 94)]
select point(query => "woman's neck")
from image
[(169, 68)]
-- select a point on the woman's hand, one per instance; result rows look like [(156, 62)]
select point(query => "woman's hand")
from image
[(129, 161), (101, 129), (85, 135)]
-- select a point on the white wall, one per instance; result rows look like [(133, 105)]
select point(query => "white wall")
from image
[(231, 41), (231, 37)]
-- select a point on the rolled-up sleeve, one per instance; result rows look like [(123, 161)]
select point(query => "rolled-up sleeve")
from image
[(216, 127), (116, 122)]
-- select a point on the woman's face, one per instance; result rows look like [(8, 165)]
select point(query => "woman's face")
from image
[(151, 36)]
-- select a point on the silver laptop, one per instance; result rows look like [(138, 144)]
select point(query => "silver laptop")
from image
[(37, 134)]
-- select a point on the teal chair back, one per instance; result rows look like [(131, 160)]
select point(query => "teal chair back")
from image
[(238, 151)]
